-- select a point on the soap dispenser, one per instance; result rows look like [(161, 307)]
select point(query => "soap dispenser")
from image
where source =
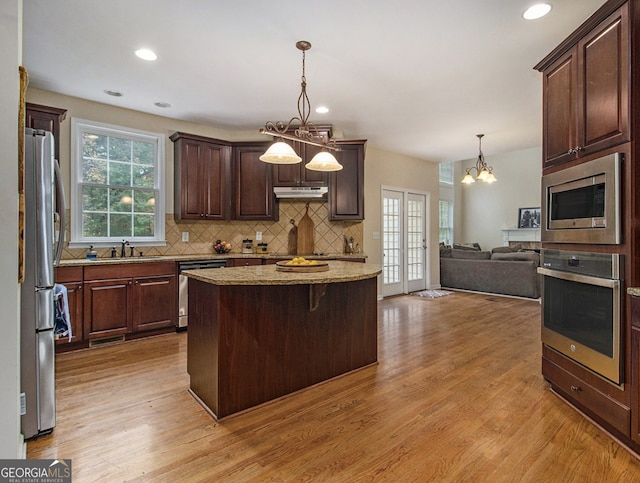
[(92, 254)]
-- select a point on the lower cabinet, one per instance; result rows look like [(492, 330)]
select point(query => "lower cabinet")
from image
[(129, 298), (243, 262)]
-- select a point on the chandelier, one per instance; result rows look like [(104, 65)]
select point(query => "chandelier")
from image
[(301, 130), (483, 172)]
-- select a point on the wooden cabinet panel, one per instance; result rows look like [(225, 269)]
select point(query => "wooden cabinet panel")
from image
[(603, 84), (202, 177), (635, 381), (586, 93), (126, 298), (592, 400), (560, 98), (346, 187), (107, 308), (154, 303), (243, 262), (48, 119), (253, 196)]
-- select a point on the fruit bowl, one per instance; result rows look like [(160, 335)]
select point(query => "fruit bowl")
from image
[(222, 247)]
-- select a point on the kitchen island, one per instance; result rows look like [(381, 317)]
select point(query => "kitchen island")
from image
[(257, 334)]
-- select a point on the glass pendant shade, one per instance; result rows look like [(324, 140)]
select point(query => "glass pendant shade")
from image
[(323, 161), (482, 176), (491, 178), (280, 153), (468, 179)]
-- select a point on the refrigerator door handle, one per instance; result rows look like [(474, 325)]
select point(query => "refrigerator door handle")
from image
[(62, 215)]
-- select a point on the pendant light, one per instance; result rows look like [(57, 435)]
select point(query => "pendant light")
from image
[(484, 173), (299, 129)]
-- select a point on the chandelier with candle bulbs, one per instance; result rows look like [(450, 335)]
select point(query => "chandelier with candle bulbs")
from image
[(301, 130), (483, 171)]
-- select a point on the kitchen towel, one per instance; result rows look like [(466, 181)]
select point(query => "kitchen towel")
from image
[(61, 305)]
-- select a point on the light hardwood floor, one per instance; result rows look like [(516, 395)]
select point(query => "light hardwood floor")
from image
[(457, 396)]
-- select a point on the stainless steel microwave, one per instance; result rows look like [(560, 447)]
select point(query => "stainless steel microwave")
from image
[(581, 204)]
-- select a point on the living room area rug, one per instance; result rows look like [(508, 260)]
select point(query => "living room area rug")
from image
[(432, 294)]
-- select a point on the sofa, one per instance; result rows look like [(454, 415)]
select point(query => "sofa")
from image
[(503, 270)]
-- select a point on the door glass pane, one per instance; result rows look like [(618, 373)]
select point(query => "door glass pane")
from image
[(391, 240), (415, 241)]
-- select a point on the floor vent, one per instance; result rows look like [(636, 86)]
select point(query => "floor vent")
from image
[(107, 340)]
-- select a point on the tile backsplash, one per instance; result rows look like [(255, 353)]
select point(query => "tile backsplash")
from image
[(329, 236)]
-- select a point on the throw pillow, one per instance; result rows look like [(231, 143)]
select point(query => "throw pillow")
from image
[(467, 246)]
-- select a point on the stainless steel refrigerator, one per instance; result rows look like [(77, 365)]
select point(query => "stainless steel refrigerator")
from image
[(37, 345)]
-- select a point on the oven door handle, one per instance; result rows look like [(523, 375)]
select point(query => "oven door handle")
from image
[(575, 277)]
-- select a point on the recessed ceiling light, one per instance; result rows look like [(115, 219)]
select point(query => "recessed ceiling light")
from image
[(164, 105), (146, 54), (322, 109), (536, 11), (113, 93)]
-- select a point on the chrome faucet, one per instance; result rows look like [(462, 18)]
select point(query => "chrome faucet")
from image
[(122, 252)]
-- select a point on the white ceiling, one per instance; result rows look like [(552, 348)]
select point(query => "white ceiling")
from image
[(420, 77)]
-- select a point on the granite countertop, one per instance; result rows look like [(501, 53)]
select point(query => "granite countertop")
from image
[(268, 275), (201, 256), (635, 291)]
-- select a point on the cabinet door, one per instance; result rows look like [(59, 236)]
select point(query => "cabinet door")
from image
[(201, 178), (309, 177), (346, 187), (48, 119), (204, 173), (243, 262), (297, 174), (253, 184), (107, 308), (154, 304), (603, 106), (559, 109)]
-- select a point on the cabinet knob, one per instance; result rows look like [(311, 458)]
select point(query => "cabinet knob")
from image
[(575, 388), (201, 214)]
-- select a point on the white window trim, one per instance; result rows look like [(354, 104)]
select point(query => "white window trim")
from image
[(77, 127)]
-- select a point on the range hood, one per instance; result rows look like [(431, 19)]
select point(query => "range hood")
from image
[(301, 192)]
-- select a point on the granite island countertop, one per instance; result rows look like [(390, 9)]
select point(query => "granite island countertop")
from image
[(269, 275)]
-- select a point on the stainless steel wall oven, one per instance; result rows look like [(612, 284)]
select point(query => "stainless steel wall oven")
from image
[(581, 309)]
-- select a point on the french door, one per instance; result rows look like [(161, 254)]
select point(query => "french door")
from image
[(404, 241)]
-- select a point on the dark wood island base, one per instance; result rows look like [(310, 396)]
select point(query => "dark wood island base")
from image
[(249, 344)]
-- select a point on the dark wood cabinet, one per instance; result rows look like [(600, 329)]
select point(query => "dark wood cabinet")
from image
[(127, 298), (586, 93), (253, 197), (153, 301), (346, 187), (107, 308), (243, 262), (201, 177), (71, 278), (48, 119), (635, 375)]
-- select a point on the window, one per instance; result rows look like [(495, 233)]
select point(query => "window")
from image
[(446, 222), (117, 185), (446, 173)]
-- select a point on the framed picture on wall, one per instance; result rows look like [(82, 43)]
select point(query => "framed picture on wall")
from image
[(529, 217)]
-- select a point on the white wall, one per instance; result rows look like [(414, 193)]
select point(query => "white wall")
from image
[(10, 58), (482, 210), (393, 169)]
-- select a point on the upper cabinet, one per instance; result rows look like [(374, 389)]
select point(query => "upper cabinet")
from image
[(346, 187), (296, 174), (201, 177), (48, 119), (586, 92), (253, 197)]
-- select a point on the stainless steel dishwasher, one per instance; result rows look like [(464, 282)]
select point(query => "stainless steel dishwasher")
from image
[(183, 286)]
